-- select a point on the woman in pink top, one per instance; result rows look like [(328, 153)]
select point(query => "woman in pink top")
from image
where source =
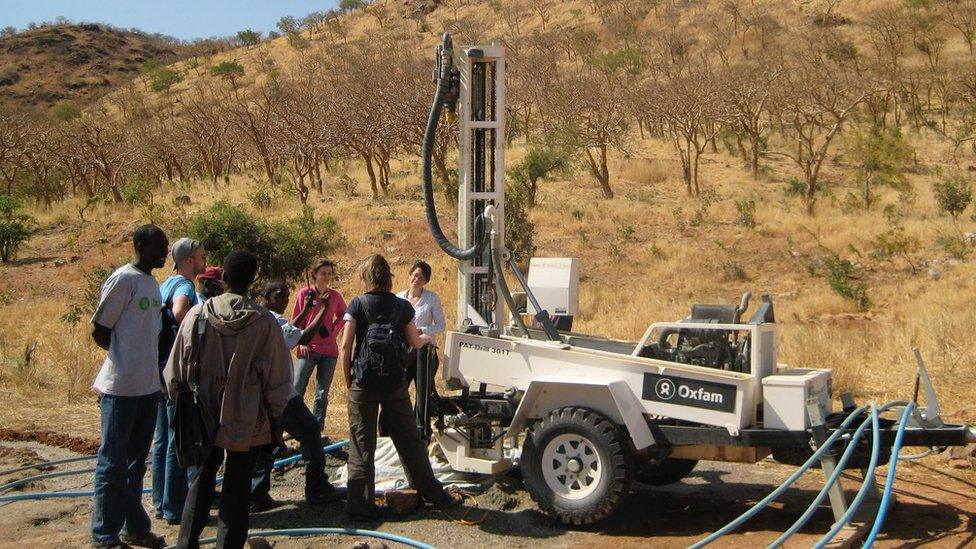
[(321, 352)]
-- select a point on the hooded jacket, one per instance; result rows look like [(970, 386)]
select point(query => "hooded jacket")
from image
[(245, 369)]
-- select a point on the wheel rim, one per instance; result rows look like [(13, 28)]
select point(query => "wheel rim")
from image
[(571, 466)]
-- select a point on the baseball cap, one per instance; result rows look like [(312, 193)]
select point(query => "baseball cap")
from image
[(211, 273), (182, 249)]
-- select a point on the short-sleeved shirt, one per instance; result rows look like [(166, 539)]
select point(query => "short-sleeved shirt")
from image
[(324, 342), (379, 304), (129, 306), (178, 285), (291, 333)]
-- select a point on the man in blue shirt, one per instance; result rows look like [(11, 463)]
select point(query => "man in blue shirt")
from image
[(177, 294)]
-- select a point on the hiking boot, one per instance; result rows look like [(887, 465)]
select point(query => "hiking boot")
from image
[(263, 503), (326, 493), (369, 514), (145, 539)]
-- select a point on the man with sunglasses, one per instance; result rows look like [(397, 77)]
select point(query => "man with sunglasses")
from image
[(297, 420)]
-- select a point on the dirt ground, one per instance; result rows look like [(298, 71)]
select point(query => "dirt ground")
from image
[(935, 508)]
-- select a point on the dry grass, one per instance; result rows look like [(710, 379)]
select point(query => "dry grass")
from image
[(639, 266)]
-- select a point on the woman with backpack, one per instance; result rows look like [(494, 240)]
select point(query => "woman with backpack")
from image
[(382, 327)]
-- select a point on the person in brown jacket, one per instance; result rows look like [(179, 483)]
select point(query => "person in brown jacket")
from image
[(245, 381)]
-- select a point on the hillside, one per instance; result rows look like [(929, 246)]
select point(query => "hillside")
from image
[(77, 63), (855, 285)]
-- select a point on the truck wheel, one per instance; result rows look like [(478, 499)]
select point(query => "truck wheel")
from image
[(665, 471), (576, 465)]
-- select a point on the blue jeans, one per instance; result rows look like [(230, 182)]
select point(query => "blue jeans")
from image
[(325, 366), (127, 430), (169, 481)]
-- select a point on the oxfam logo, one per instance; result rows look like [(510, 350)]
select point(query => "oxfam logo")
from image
[(144, 303), (664, 389)]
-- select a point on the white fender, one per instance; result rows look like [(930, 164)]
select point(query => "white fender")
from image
[(611, 397)]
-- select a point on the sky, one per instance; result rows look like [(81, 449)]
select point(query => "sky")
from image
[(184, 19)]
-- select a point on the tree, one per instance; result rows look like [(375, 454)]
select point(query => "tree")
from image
[(249, 37), (880, 158), (163, 79), (953, 195), (749, 87), (351, 5), (539, 162), (15, 227), (14, 132), (228, 70), (8, 31), (288, 25), (692, 109), (819, 94), (586, 114)]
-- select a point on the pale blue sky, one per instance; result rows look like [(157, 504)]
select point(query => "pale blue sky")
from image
[(185, 19)]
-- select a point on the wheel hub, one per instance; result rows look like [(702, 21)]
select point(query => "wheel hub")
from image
[(571, 466)]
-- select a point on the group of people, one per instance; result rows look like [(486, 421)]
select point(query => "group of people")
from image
[(235, 353)]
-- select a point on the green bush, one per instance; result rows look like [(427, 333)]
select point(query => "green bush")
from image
[(64, 111), (842, 279), (518, 227), (285, 249), (227, 69), (16, 227), (953, 195), (163, 79), (746, 209)]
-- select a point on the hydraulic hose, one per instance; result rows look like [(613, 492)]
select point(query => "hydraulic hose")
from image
[(294, 532), (35, 478), (759, 506), (890, 481), (838, 470), (444, 94), (82, 494)]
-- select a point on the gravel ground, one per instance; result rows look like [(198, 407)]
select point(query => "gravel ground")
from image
[(936, 506)]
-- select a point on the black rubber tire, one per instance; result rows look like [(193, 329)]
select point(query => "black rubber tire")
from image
[(611, 445), (664, 472)]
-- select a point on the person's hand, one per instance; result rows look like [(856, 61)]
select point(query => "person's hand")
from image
[(323, 298), (426, 339), (301, 351), (310, 298), (277, 436)]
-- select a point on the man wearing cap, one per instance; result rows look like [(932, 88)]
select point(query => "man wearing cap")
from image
[(211, 283), (177, 295)]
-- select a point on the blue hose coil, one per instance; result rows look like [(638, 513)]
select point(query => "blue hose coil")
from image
[(890, 480)]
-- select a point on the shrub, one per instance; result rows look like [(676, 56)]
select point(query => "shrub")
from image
[(285, 249), (85, 307), (227, 69), (64, 111), (161, 80), (881, 158), (895, 242), (733, 271), (518, 227), (953, 195), (261, 198), (747, 212), (249, 37), (842, 279), (16, 227)]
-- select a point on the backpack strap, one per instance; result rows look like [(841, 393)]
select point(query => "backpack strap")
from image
[(196, 349)]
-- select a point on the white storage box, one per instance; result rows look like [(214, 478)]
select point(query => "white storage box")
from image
[(785, 397), (555, 283)]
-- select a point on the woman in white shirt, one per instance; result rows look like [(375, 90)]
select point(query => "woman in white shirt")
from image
[(429, 316)]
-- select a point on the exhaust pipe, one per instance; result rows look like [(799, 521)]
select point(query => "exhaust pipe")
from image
[(971, 434)]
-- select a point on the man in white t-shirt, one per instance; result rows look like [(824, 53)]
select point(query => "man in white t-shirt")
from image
[(126, 324)]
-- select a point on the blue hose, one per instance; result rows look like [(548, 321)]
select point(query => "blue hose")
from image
[(848, 452), (752, 511), (53, 495), (890, 481), (35, 478), (868, 483), (293, 532)]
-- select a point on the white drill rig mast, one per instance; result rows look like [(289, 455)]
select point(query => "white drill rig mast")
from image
[(481, 176)]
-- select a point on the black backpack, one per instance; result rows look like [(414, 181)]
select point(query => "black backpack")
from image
[(381, 364), (167, 335)]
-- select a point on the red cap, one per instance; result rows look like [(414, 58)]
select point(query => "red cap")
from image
[(211, 273)]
